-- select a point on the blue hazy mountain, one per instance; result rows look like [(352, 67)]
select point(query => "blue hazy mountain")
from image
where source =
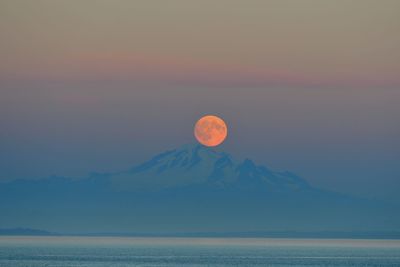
[(25, 232), (190, 189)]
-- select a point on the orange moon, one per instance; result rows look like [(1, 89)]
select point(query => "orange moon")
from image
[(210, 130)]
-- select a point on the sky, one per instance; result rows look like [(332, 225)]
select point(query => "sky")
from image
[(307, 86)]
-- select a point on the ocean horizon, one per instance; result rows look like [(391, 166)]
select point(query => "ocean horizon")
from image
[(199, 133), (79, 251)]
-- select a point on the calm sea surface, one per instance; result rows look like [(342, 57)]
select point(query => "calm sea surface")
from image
[(112, 252)]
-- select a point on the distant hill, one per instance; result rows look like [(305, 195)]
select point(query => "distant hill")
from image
[(187, 190), (25, 232), (287, 234)]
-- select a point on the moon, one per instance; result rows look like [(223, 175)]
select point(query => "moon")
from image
[(210, 130)]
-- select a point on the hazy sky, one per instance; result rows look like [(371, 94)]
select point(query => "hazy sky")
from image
[(307, 86)]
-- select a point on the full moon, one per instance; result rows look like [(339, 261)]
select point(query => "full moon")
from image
[(210, 130)]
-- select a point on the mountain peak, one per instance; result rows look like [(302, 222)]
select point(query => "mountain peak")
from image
[(195, 164), (248, 163), (191, 187)]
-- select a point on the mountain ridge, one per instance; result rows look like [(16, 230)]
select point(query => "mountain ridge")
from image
[(210, 166), (188, 189), (20, 231)]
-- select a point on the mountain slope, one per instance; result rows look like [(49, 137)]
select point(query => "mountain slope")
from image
[(189, 189), (201, 166)]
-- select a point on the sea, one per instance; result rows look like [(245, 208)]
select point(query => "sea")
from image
[(63, 251)]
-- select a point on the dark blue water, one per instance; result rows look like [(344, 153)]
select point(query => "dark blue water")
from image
[(121, 252)]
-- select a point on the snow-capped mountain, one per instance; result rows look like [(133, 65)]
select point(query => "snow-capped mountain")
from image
[(189, 189), (193, 165)]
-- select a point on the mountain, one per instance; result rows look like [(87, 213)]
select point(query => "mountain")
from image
[(198, 166), (24, 232), (189, 189)]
